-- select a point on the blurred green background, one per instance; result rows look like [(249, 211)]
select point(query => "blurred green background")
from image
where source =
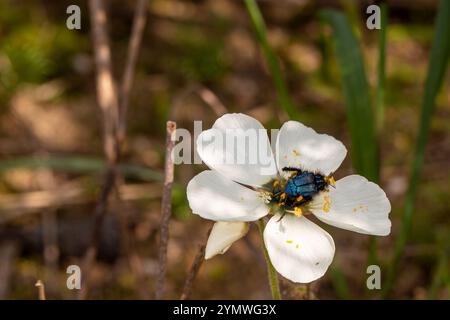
[(197, 56)]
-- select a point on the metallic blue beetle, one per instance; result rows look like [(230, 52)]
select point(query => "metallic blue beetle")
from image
[(299, 189), (305, 184)]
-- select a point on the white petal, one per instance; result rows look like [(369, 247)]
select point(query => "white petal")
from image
[(214, 197), (299, 250), (238, 147), (223, 235), (354, 204), (301, 147)]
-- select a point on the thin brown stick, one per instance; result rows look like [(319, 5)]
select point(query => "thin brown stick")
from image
[(114, 114), (213, 101), (99, 214), (41, 290), (47, 180), (166, 208), (108, 102), (208, 97), (51, 248), (106, 88), (139, 22), (195, 268)]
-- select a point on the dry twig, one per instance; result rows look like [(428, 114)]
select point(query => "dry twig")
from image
[(166, 208), (139, 22), (108, 102), (41, 290), (212, 100), (195, 268), (113, 114)]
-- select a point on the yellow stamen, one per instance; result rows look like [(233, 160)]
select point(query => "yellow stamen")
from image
[(289, 241), (331, 181), (283, 196), (326, 203), (298, 212), (276, 183), (299, 198)]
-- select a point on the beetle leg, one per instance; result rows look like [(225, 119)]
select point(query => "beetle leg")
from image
[(295, 171)]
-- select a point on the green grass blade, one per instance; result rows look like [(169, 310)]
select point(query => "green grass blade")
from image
[(381, 68), (77, 164), (441, 276), (360, 114), (379, 109), (274, 67), (441, 272), (437, 66), (340, 284), (351, 10), (356, 93)]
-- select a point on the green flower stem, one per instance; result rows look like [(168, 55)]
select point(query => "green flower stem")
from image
[(272, 61), (273, 278)]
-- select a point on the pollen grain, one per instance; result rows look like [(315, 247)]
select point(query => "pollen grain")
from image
[(298, 212), (326, 203)]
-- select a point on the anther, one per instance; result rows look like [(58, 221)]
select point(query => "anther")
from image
[(298, 212)]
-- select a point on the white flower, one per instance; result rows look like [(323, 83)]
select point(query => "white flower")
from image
[(236, 193)]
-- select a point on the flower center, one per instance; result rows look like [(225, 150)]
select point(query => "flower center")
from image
[(291, 194)]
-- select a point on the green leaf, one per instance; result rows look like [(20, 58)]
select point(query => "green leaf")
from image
[(381, 67), (340, 283), (274, 67), (356, 92), (379, 110), (78, 164), (360, 114), (436, 69)]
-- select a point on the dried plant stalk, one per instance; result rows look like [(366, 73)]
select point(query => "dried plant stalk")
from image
[(139, 22), (195, 268), (108, 102), (41, 290), (114, 114), (166, 209)]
